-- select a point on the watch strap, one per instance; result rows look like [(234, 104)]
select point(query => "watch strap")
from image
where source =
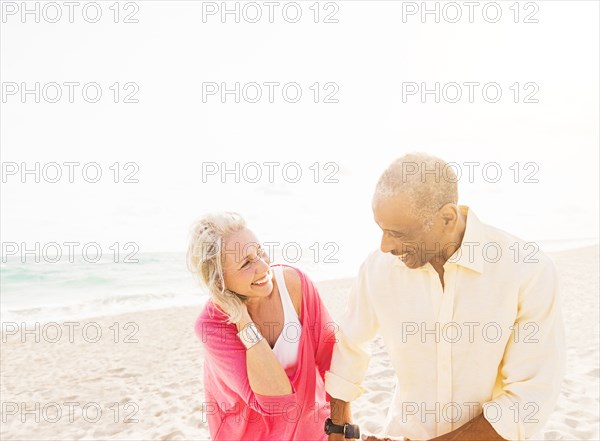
[(334, 428), (249, 335)]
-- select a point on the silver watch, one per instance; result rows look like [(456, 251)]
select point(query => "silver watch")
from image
[(250, 335)]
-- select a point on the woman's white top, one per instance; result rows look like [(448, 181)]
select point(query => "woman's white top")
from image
[(287, 345)]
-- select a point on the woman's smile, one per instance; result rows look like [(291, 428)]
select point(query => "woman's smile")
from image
[(264, 280)]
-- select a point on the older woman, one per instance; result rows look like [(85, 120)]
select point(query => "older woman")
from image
[(268, 338)]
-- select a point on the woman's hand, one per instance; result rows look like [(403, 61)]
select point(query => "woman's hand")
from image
[(265, 374), (245, 318)]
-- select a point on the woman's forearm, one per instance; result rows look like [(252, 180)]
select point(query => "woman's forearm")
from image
[(265, 374)]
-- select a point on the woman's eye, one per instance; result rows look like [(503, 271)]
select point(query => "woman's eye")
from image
[(245, 264)]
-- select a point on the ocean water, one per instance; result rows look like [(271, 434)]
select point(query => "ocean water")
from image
[(45, 291), (62, 291)]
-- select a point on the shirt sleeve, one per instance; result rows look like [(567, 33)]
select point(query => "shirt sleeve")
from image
[(226, 357), (357, 327), (533, 364)]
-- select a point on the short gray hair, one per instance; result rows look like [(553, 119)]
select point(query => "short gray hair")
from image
[(428, 183), (205, 258)]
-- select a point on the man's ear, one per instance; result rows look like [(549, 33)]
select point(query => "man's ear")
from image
[(449, 214)]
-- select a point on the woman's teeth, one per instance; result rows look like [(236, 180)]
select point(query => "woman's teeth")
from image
[(262, 281)]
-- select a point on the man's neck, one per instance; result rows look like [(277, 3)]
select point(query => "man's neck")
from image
[(452, 244)]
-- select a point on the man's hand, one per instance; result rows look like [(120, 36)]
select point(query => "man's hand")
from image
[(374, 438), (340, 437), (478, 429)]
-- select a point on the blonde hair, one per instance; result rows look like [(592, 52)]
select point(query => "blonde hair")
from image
[(205, 257), (427, 181)]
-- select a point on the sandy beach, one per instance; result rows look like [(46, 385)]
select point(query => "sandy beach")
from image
[(139, 375)]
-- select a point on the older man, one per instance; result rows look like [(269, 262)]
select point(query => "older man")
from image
[(470, 316)]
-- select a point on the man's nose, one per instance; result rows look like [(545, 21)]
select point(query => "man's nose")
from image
[(387, 245)]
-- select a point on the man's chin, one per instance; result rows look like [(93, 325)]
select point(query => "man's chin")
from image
[(411, 261)]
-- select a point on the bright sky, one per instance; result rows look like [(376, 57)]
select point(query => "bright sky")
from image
[(370, 56)]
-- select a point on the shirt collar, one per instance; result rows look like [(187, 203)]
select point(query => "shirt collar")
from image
[(469, 255)]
